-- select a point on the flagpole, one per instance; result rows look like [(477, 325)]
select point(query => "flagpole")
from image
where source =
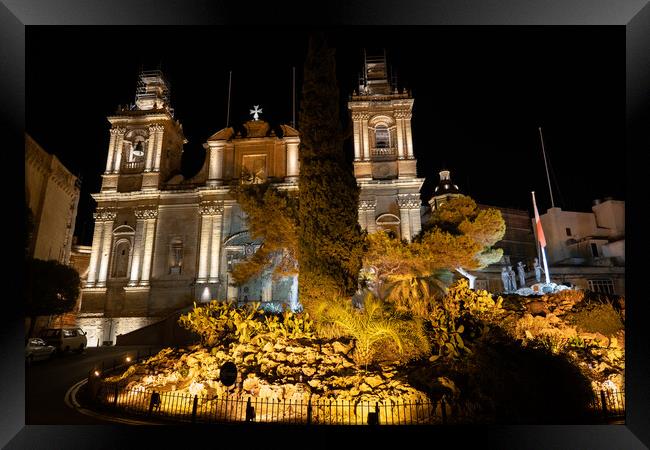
[(293, 97), (548, 179), (540, 238), (229, 89)]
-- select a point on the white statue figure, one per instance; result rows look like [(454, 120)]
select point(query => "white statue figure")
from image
[(538, 270), (512, 278), (522, 273), (505, 279)]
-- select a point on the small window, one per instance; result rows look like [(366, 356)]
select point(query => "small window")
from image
[(568, 231), (594, 250), (382, 137), (69, 333)]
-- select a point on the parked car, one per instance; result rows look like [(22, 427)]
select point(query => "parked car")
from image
[(36, 349), (65, 339)]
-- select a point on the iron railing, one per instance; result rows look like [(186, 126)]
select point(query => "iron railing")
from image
[(112, 397), (185, 407)]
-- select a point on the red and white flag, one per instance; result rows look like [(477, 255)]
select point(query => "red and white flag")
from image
[(538, 225)]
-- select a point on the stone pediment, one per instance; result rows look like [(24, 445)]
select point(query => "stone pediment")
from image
[(288, 131), (224, 134)]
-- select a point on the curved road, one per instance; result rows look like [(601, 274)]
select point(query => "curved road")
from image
[(47, 382)]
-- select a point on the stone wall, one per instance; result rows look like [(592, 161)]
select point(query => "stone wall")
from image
[(52, 194)]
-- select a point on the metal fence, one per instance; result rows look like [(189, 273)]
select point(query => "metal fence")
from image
[(204, 409), (609, 404), (606, 405)]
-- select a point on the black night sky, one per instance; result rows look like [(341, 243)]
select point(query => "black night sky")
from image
[(480, 95)]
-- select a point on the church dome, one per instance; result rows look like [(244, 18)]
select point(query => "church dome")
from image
[(446, 186)]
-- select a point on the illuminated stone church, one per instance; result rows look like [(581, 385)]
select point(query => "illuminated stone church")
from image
[(162, 241)]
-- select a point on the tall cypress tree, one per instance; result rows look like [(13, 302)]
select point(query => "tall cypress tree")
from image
[(330, 238)]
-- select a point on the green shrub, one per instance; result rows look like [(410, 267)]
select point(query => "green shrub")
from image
[(223, 322), (598, 318)]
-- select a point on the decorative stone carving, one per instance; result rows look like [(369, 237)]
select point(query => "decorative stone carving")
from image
[(209, 208), (105, 214), (367, 205), (408, 201), (146, 213), (155, 127), (136, 132), (256, 128), (118, 130), (401, 114)]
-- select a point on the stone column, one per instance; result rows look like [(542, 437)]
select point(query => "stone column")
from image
[(356, 122), (406, 203), (416, 220), (94, 254), (215, 244), (367, 214), (405, 223), (159, 143), (111, 151), (107, 216), (150, 216), (151, 148), (365, 152), (215, 172), (204, 248), (293, 165), (267, 287), (367, 210), (401, 150), (208, 211), (409, 138), (119, 144), (137, 248)]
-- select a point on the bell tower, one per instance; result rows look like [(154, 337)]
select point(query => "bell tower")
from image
[(146, 142), (384, 162)]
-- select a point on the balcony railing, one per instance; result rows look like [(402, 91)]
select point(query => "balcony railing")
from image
[(133, 166), (383, 151)]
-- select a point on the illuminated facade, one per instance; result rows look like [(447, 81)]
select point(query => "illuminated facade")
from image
[(384, 163), (52, 195), (162, 241)]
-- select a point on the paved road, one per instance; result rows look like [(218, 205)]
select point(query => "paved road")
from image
[(46, 383)]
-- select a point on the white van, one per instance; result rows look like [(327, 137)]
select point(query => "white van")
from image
[(65, 339)]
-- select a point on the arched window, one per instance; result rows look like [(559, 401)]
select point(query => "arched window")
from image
[(382, 136), (121, 255), (389, 223)]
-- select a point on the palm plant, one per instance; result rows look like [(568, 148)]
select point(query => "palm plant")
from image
[(413, 293), (373, 327)]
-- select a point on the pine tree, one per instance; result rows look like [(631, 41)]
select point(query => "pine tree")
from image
[(460, 236), (330, 238)]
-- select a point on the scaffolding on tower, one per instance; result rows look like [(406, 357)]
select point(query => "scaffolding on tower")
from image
[(153, 89)]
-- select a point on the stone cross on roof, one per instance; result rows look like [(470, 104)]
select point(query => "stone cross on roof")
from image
[(255, 112)]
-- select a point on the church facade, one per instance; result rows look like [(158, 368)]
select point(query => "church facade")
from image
[(161, 241)]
